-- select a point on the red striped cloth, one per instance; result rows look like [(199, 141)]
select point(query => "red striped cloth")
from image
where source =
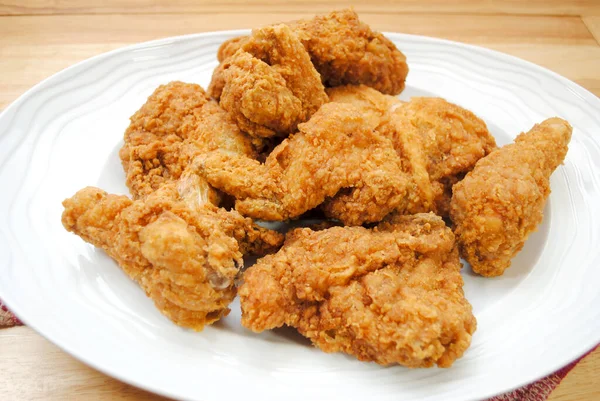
[(7, 319), (537, 391)]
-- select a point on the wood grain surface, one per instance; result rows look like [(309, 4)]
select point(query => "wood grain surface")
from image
[(41, 37)]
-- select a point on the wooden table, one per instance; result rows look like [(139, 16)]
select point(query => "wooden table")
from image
[(41, 37)]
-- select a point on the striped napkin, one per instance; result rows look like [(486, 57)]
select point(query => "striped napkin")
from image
[(7, 319), (537, 391)]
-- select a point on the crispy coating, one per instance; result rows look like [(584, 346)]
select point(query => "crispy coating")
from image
[(406, 141), (185, 260), (501, 202), (229, 47), (177, 122), (438, 142), (269, 85), (454, 138), (336, 149), (345, 50), (366, 97), (390, 295)]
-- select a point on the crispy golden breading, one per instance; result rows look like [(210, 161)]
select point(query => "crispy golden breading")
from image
[(438, 142), (177, 122), (269, 85), (454, 140), (185, 260), (390, 295), (229, 47), (501, 202), (336, 149), (344, 50), (405, 139), (367, 98)]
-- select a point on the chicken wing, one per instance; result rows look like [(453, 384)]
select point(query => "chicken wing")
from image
[(345, 50), (269, 85), (390, 295), (501, 202), (177, 122), (185, 260), (336, 149)]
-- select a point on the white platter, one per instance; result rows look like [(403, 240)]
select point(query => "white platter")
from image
[(65, 133)]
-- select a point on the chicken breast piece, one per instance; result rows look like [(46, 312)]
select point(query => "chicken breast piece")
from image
[(392, 294), (437, 142), (454, 139)]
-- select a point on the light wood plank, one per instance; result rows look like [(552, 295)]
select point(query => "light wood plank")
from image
[(35, 369), (582, 383), (593, 24), (544, 7), (33, 48), (136, 28)]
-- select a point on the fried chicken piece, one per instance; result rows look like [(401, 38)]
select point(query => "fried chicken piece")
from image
[(177, 122), (454, 139), (405, 139), (501, 202), (390, 295), (185, 260), (229, 47), (336, 149), (269, 85), (345, 50), (366, 97), (438, 142)]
